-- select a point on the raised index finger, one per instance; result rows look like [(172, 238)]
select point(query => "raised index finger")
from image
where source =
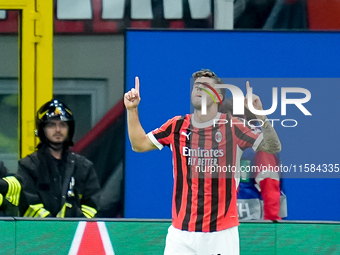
[(247, 86), (137, 84)]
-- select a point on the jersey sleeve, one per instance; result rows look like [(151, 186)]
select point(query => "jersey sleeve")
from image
[(246, 136), (163, 136), (268, 180)]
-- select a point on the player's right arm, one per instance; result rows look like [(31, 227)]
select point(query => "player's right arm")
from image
[(140, 142)]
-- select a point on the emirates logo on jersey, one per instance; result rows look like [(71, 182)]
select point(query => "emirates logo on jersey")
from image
[(218, 136), (199, 152)]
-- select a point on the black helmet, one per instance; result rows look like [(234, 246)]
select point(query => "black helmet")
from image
[(54, 110)]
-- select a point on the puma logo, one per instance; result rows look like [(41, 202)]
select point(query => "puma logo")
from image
[(187, 135)]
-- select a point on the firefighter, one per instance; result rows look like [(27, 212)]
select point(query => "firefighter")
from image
[(55, 181)]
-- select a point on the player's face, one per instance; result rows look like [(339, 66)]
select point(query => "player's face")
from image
[(197, 91), (56, 131)]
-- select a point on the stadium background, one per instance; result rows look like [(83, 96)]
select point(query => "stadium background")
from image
[(95, 61)]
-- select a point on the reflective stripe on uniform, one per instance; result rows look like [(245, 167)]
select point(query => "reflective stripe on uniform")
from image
[(14, 189), (36, 211), (61, 213), (1, 199), (88, 211)]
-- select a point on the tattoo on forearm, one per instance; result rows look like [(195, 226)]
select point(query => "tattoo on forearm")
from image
[(271, 142)]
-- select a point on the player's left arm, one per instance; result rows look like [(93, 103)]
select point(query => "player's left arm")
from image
[(269, 184), (270, 142)]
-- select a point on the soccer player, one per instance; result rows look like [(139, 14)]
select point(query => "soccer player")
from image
[(205, 154)]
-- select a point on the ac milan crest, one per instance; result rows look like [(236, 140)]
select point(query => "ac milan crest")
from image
[(218, 136)]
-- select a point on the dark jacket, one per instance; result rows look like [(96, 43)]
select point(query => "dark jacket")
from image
[(49, 192), (8, 200)]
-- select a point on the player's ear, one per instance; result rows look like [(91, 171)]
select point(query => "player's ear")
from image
[(221, 96)]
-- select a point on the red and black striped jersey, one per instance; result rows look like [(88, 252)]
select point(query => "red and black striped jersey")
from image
[(205, 159)]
